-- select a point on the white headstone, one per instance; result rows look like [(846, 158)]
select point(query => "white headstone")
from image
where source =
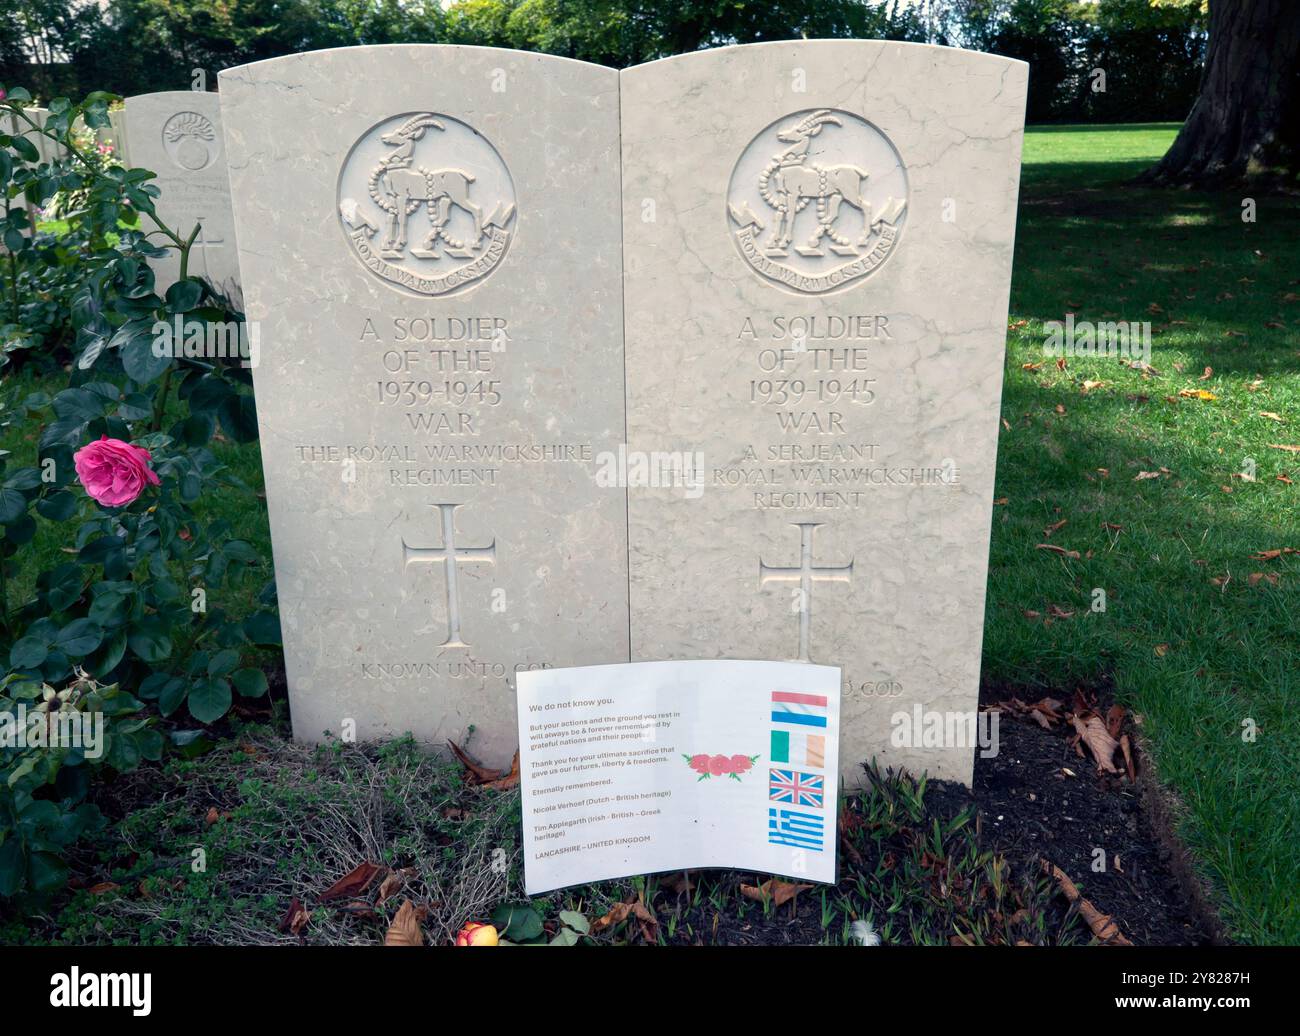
[(430, 244), (817, 248), (177, 134)]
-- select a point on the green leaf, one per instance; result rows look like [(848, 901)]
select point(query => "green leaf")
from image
[(209, 700), (62, 585), (13, 865), (172, 695), (108, 608), (26, 148), (28, 652), (184, 295), (250, 683), (13, 505), (79, 637), (58, 506), (517, 921), (223, 662), (239, 417), (575, 921), (141, 363), (46, 872), (149, 639), (263, 628)]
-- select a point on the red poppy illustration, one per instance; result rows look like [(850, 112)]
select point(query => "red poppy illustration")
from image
[(720, 765)]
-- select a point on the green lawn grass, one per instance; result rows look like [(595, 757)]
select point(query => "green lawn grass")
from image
[(1191, 639), (1195, 642)]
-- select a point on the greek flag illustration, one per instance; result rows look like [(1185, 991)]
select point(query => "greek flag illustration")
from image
[(794, 828)]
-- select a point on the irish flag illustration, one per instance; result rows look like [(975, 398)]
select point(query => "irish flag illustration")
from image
[(800, 723), (798, 748)]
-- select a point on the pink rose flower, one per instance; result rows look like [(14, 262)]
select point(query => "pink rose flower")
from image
[(740, 763), (700, 763), (114, 472), (719, 765)]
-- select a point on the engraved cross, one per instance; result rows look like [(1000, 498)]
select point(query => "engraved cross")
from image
[(449, 555), (805, 574)]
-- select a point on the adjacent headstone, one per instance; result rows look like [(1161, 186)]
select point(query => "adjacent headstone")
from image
[(177, 134), (817, 249), (429, 240)]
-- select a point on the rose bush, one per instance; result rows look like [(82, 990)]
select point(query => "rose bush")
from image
[(142, 599)]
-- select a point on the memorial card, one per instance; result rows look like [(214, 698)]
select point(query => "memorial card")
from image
[(662, 766)]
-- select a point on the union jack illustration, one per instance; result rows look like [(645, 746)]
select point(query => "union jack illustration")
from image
[(796, 788), (790, 827)]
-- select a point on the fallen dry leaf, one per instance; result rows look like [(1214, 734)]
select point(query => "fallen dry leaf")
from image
[(1102, 925), (1053, 528), (102, 887), (1114, 720), (508, 779), (1282, 446), (212, 817), (295, 918), (1093, 733), (1209, 372), (405, 929), (1201, 394), (478, 774), (774, 890), (1161, 650), (391, 885), (621, 912), (1142, 475), (1126, 747), (352, 884), (1271, 415), (1056, 549)]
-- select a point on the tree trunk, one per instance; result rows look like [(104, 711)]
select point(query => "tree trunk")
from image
[(1245, 124)]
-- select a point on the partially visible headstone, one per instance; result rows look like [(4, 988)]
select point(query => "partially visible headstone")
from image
[(115, 134), (430, 245), (817, 249), (15, 126), (177, 134)]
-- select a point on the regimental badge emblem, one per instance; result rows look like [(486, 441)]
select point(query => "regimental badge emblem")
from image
[(190, 140), (426, 203), (817, 201)]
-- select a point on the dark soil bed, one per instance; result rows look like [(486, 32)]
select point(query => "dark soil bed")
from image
[(1032, 809)]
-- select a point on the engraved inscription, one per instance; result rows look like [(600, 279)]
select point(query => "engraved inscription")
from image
[(449, 555), (817, 201), (426, 203), (805, 574)]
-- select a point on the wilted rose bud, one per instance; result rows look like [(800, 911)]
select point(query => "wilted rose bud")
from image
[(474, 934)]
